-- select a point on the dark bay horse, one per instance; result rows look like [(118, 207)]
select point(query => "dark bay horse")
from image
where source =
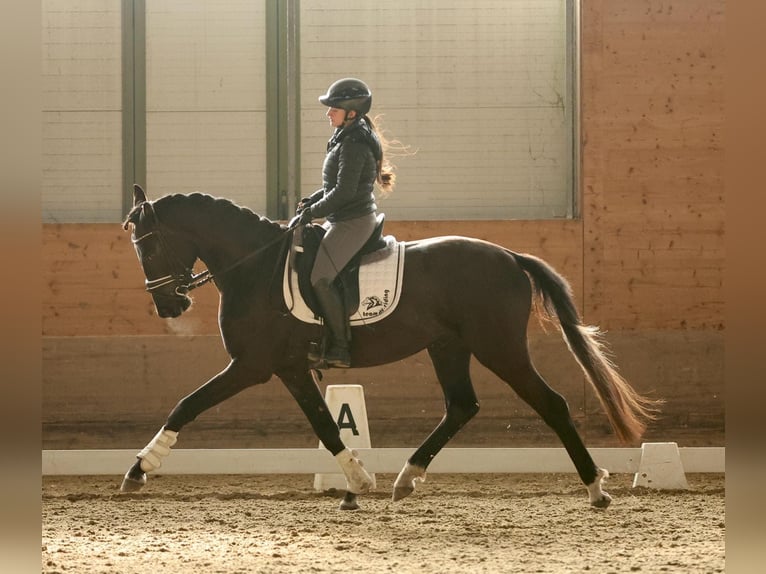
[(460, 297)]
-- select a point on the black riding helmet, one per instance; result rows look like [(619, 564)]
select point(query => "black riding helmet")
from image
[(348, 94)]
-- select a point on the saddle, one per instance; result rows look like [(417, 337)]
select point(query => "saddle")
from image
[(347, 281)]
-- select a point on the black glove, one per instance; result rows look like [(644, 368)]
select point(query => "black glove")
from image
[(305, 216), (303, 204)]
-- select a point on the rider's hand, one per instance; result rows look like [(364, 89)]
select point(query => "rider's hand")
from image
[(305, 216), (302, 204)]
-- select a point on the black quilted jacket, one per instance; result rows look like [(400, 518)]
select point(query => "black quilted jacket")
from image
[(349, 173)]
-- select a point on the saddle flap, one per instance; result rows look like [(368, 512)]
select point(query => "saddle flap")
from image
[(347, 281), (377, 280)]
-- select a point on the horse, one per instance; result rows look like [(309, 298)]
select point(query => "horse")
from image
[(447, 286)]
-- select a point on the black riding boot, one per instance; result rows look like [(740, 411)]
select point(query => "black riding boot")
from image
[(337, 352)]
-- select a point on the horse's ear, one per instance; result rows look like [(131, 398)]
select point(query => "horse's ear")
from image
[(138, 195), (139, 198)]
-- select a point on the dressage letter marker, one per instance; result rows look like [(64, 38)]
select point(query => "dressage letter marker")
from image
[(346, 404), (660, 467)]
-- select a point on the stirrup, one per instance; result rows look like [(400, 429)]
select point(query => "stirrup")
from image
[(315, 357), (331, 358), (315, 354), (339, 360), (328, 355), (317, 361)]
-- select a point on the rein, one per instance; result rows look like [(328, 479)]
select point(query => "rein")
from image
[(206, 276)]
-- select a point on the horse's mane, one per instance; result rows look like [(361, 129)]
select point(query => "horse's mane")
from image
[(217, 209)]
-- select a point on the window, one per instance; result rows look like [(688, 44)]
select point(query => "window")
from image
[(82, 112), (221, 97), (206, 99), (482, 90)]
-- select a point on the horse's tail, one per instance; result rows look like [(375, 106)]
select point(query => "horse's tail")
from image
[(627, 411)]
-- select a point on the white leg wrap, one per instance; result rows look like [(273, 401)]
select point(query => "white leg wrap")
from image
[(408, 475), (158, 448), (596, 493), (358, 480)]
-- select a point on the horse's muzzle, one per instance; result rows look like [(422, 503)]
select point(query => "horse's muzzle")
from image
[(171, 307)]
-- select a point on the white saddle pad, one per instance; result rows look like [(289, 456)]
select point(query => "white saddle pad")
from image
[(380, 286)]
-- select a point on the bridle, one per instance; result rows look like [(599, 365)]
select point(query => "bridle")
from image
[(181, 279)]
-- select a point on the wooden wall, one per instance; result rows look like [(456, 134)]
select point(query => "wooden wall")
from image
[(94, 285), (653, 210), (645, 259)]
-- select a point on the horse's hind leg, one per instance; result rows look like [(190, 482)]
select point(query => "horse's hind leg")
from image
[(451, 361), (553, 409)]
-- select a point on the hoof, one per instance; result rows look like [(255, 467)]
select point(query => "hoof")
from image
[(349, 502), (405, 482), (602, 502), (130, 484), (402, 492), (598, 497)]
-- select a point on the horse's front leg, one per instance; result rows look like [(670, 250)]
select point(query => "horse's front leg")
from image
[(307, 394), (224, 385)]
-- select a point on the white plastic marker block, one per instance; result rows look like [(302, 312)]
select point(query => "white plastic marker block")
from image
[(346, 404), (660, 467)]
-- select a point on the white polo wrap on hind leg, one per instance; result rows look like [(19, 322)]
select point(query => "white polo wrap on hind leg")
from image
[(158, 448), (598, 497), (358, 480), (409, 475)]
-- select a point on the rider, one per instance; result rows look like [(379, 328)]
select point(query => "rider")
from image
[(352, 166)]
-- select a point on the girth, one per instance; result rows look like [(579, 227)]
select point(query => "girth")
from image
[(347, 280)]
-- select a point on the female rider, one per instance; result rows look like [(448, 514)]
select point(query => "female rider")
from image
[(353, 165)]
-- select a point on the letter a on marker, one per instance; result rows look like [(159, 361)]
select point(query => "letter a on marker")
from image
[(346, 419)]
